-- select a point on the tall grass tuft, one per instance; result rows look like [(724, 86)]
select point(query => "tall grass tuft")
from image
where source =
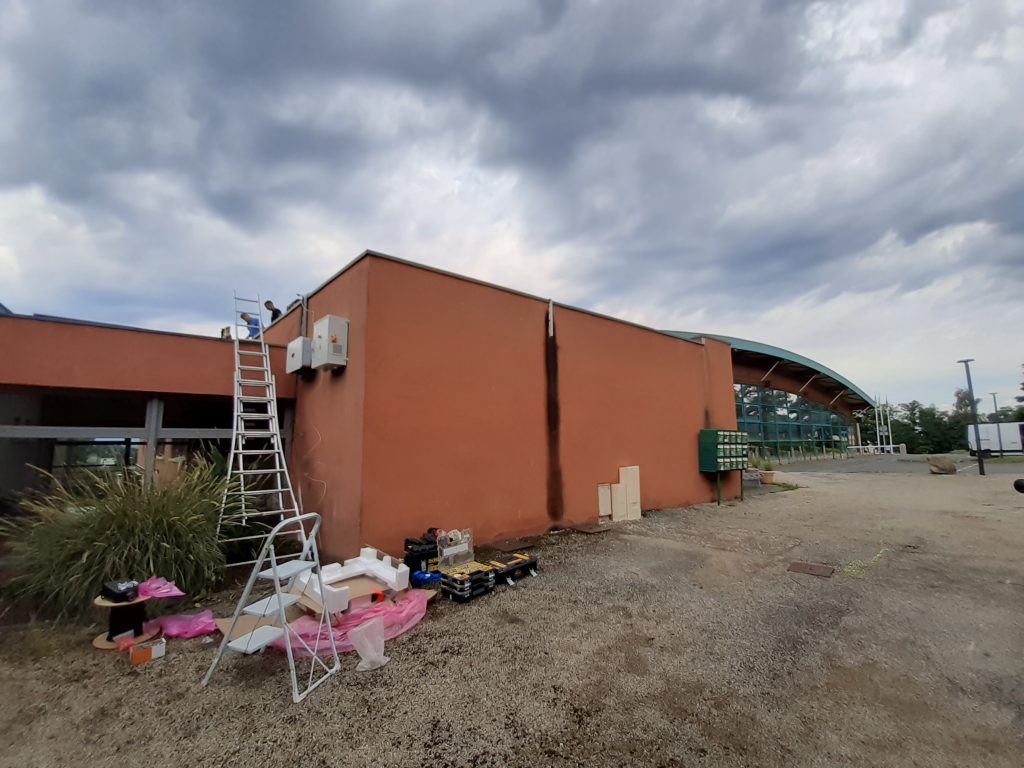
[(94, 527)]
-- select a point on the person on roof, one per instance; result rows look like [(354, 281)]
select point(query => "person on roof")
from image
[(274, 311), (253, 324)]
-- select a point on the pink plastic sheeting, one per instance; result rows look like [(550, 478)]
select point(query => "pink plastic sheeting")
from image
[(159, 587), (399, 617), (184, 624)]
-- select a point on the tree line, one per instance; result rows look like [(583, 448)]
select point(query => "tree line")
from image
[(928, 429)]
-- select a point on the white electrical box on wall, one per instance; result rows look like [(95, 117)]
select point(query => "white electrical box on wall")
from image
[(300, 355), (330, 342)]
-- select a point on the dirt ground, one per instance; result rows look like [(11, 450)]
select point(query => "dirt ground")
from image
[(677, 640)]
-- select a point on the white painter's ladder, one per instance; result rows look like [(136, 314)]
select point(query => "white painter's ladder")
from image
[(259, 488), (271, 619)]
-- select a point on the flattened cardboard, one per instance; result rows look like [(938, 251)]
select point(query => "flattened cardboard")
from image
[(359, 586), (360, 591), (246, 624)]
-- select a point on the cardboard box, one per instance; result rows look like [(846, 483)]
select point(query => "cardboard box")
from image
[(143, 652)]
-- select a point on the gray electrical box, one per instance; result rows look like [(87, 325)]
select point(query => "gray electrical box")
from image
[(300, 355), (330, 342)]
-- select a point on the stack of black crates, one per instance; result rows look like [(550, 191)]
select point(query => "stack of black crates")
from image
[(464, 581)]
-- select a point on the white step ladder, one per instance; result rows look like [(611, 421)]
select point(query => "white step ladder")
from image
[(268, 567), (259, 491)]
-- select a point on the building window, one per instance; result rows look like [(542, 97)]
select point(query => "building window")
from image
[(783, 424)]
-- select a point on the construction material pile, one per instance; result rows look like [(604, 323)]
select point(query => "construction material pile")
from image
[(448, 559)]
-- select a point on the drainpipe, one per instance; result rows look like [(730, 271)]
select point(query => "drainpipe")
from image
[(303, 311)]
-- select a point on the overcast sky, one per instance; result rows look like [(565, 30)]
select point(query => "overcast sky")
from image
[(842, 179)]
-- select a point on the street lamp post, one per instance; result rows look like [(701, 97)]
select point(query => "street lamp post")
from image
[(995, 414), (974, 414)]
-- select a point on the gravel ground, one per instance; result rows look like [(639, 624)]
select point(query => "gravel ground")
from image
[(676, 640)]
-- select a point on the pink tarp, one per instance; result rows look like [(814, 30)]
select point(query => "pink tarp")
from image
[(159, 587), (399, 617), (184, 624)]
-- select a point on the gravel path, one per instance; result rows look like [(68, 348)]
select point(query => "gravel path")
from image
[(676, 640)]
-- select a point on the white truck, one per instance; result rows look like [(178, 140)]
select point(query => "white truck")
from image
[(1012, 434)]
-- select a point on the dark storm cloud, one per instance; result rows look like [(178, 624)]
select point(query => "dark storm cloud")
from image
[(687, 150)]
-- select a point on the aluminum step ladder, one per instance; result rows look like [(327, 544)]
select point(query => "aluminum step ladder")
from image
[(271, 608), (259, 492)]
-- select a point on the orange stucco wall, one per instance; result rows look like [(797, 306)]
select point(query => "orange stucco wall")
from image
[(45, 353), (455, 430), (440, 417), (720, 401), (632, 396), (326, 461)]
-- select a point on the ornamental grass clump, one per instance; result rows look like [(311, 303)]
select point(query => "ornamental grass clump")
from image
[(94, 527)]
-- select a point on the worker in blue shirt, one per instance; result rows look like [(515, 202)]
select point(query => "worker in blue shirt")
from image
[(253, 323)]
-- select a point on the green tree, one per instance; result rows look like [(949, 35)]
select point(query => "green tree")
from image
[(941, 431), (962, 406)]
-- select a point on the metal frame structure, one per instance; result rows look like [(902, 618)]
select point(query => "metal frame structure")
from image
[(780, 421), (149, 435), (273, 607)]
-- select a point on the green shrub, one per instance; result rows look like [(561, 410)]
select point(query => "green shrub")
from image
[(94, 527)]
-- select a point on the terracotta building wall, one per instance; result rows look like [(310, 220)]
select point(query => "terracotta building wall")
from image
[(326, 457), (720, 398), (45, 353), (440, 418), (632, 396), (455, 425)]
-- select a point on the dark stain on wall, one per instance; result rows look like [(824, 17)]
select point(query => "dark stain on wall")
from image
[(556, 502)]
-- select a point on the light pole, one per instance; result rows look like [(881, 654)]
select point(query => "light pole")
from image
[(974, 414), (995, 415)]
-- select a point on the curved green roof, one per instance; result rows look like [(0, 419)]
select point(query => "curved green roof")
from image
[(746, 345)]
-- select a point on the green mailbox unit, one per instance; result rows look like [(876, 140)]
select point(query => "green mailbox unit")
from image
[(723, 450)]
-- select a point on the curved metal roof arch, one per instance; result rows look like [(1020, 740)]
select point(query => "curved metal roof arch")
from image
[(813, 367)]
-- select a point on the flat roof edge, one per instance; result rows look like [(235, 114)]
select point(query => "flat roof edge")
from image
[(465, 278), (114, 327)]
